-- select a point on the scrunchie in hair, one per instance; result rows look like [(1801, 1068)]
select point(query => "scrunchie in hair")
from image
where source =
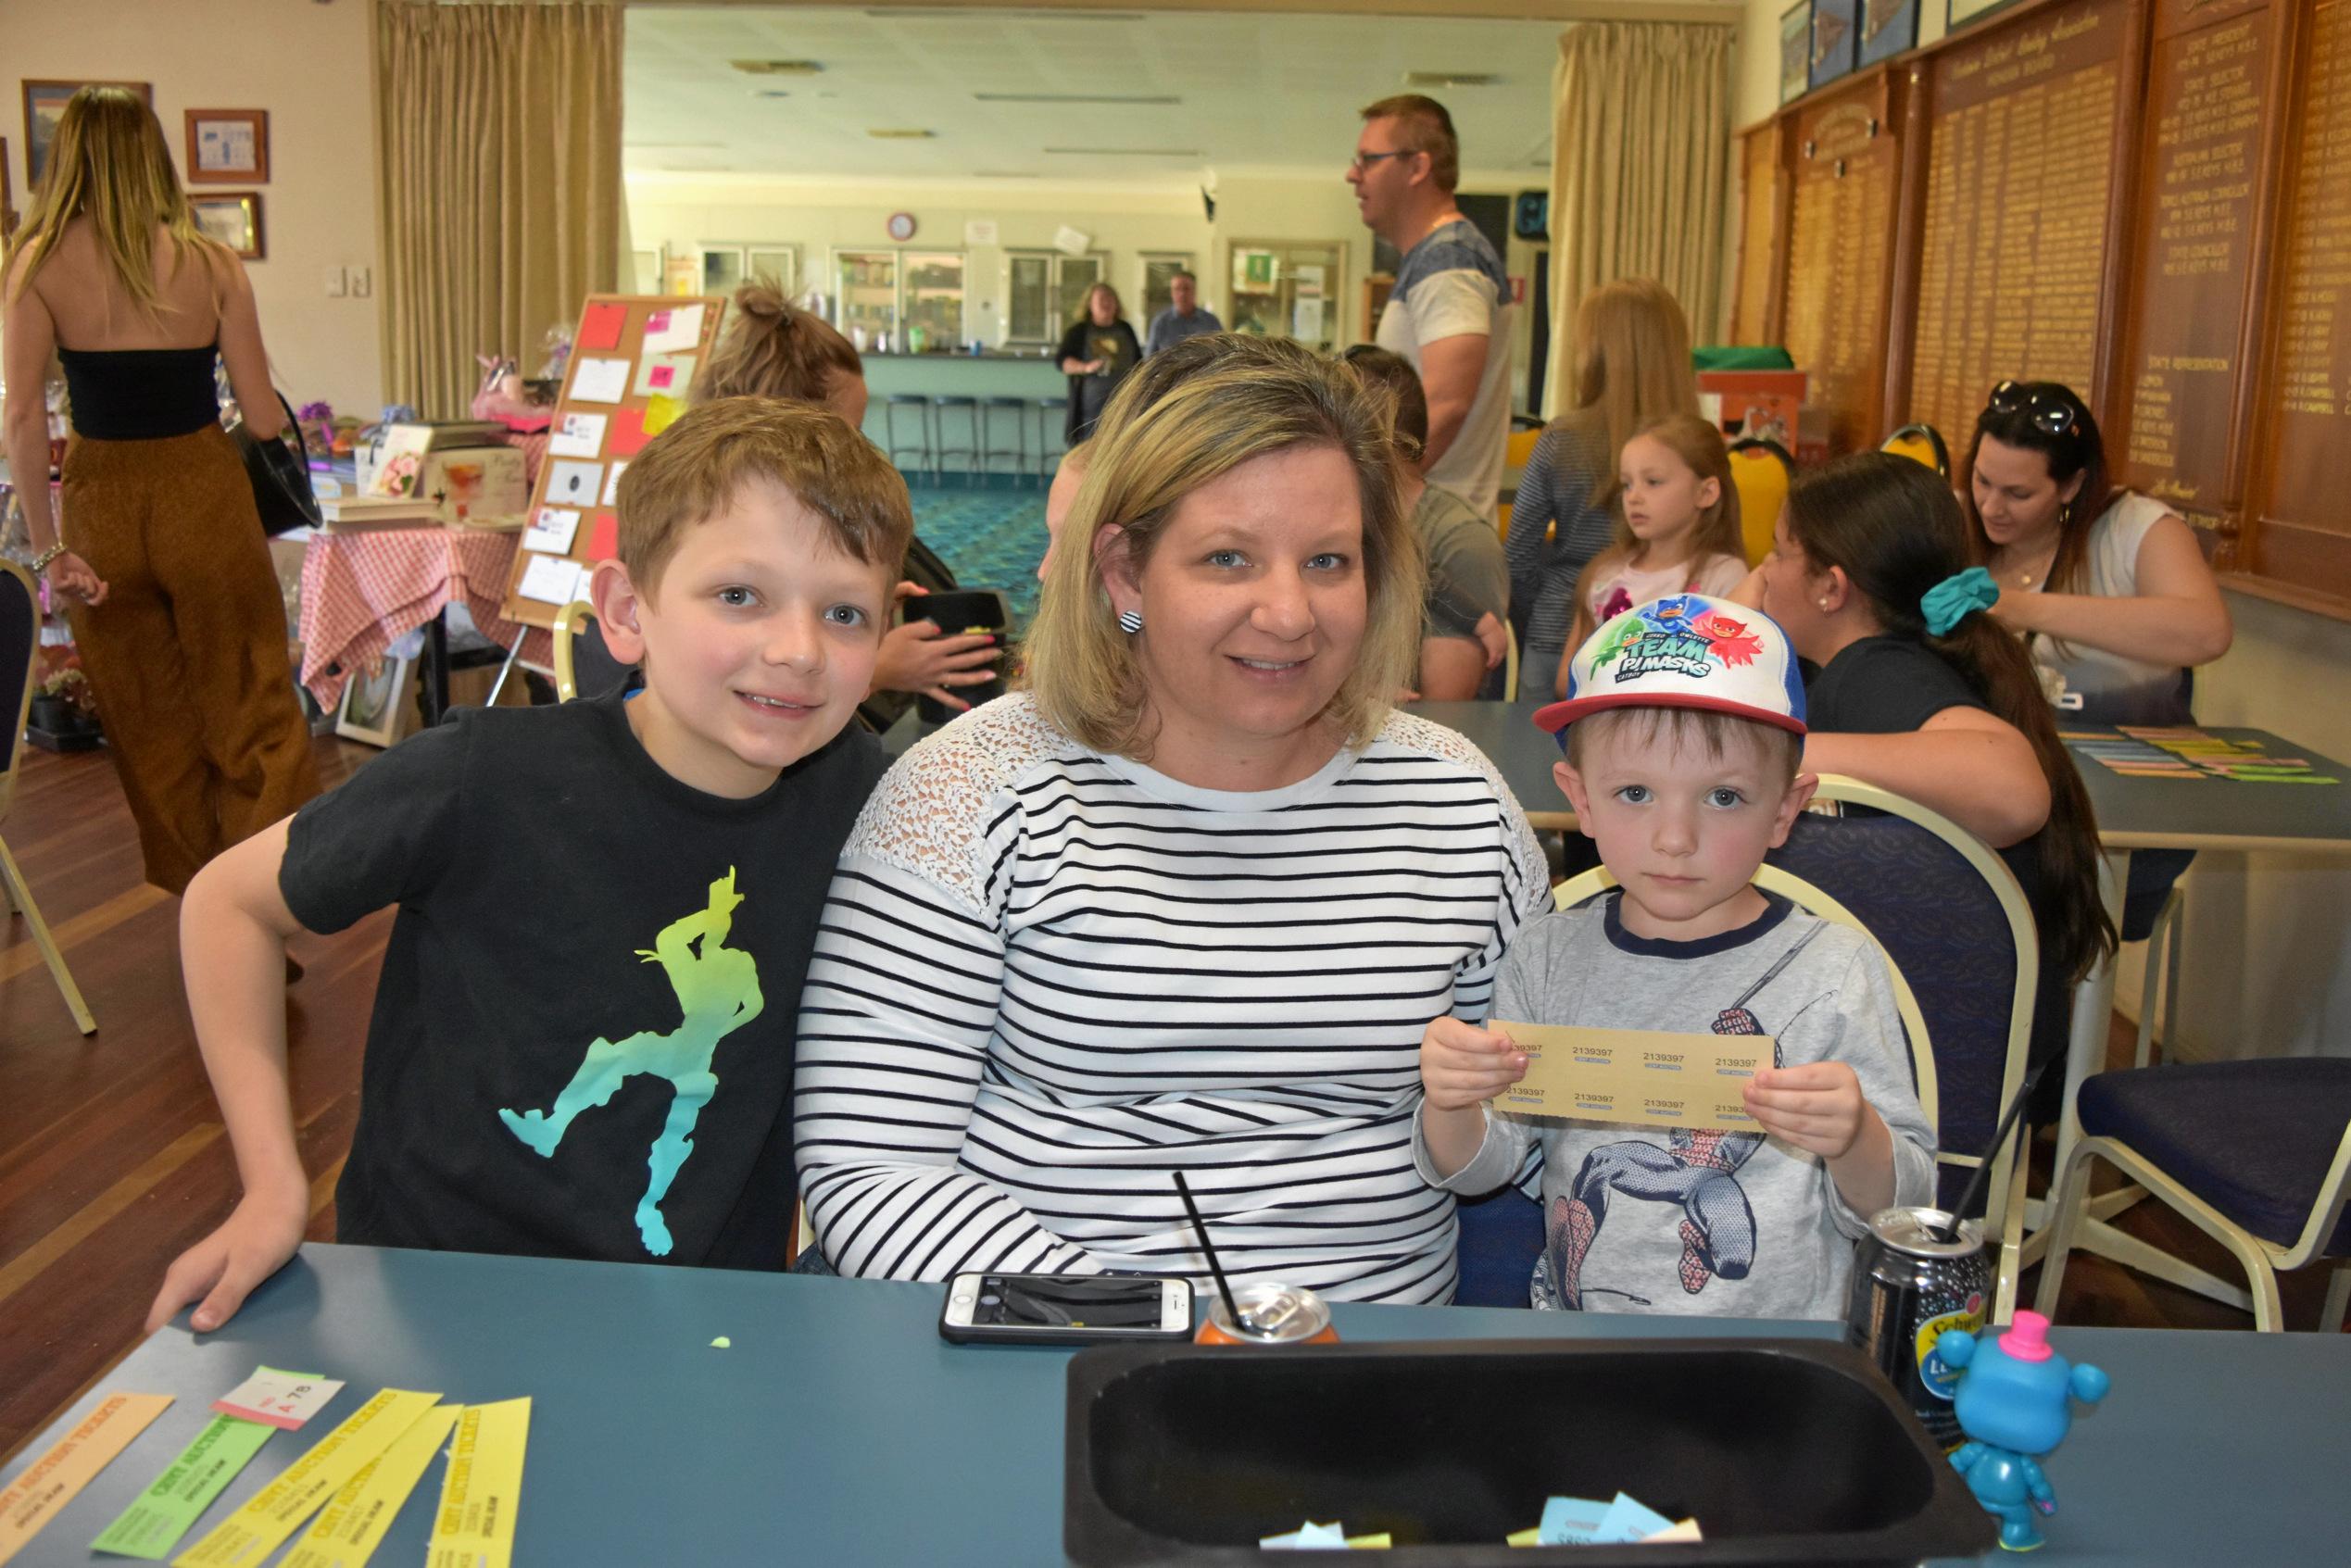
[(1954, 598)]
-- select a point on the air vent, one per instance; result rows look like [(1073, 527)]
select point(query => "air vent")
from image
[(1075, 99), (776, 67), (1004, 174), (1450, 79), (895, 133)]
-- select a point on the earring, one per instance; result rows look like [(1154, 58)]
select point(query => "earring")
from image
[(1130, 622), (1824, 606)]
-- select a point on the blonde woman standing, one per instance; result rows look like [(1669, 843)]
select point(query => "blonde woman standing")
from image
[(1631, 366), (1186, 903), (161, 562)]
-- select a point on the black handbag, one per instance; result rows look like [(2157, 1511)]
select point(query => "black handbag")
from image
[(280, 471)]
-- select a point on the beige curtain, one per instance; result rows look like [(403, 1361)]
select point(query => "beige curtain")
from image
[(1640, 153), (498, 183)]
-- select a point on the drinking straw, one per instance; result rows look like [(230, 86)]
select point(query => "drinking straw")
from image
[(1983, 1167), (1224, 1288)]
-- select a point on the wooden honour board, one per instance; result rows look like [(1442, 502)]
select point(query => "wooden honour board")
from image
[(1840, 255), (2020, 175), (2305, 484), (1761, 182), (2208, 112), (658, 343)]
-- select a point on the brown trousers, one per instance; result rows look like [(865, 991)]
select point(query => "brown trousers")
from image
[(187, 654)]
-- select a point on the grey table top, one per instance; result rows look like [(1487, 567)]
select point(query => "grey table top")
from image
[(2218, 813), (838, 1427)]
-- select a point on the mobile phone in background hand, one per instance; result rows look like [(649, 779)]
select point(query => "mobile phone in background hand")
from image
[(956, 611)]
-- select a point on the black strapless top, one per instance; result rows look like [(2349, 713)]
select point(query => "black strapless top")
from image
[(141, 394)]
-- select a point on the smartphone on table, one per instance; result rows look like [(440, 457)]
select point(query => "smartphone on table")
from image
[(1064, 1308)]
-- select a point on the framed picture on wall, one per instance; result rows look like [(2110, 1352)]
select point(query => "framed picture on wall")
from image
[(1836, 33), (45, 102), (228, 147), (1959, 13), (1796, 51), (1887, 27), (234, 218)]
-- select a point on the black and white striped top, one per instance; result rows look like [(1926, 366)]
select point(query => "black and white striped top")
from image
[(1046, 978)]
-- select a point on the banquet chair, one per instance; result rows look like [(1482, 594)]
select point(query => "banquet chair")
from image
[(1510, 666), (2256, 1154), (1920, 443), (1502, 1232), (1760, 471), (19, 663), (1951, 914), (583, 664)]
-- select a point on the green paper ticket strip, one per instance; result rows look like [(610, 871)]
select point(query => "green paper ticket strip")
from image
[(278, 1510), (153, 1525)]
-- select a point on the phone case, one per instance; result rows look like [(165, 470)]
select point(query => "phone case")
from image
[(1001, 1334)]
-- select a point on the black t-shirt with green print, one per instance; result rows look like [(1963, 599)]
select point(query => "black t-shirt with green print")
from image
[(582, 1042)]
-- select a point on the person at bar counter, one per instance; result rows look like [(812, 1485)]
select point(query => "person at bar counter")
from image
[(1185, 903), (1185, 316), (2109, 587), (1096, 354), (1449, 312), (158, 561), (771, 348)]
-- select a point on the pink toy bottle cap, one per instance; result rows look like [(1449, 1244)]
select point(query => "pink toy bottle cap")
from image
[(2027, 1338)]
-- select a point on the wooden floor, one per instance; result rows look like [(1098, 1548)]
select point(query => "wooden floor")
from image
[(112, 1157)]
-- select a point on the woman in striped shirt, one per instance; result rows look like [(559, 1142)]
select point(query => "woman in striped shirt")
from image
[(1187, 902)]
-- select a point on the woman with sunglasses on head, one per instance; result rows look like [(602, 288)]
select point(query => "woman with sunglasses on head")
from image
[(2108, 587)]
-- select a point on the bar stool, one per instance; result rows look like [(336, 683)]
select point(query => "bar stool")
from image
[(1053, 413), (1019, 452), (940, 404), (922, 406)]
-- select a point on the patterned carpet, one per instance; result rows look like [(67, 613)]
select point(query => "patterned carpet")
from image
[(993, 537)]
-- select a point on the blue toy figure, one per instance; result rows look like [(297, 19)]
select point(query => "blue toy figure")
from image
[(2012, 1406)]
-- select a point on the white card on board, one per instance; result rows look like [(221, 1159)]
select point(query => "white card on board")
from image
[(612, 483), (574, 484), (599, 381), (674, 330), (551, 533), (577, 435), (550, 580)]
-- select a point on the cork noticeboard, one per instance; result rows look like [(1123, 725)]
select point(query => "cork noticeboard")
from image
[(633, 361), (2208, 110)]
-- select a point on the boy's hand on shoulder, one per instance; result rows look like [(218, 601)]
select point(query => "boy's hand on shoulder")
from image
[(257, 1240), (1816, 1107), (1463, 1066)]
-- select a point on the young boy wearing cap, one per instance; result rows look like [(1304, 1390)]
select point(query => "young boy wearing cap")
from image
[(1683, 729)]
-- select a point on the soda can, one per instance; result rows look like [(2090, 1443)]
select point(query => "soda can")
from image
[(1910, 1286), (1272, 1314)]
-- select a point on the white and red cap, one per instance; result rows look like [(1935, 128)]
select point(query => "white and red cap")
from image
[(1685, 650)]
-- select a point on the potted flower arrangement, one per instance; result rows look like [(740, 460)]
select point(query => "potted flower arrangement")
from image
[(64, 710), (316, 420)]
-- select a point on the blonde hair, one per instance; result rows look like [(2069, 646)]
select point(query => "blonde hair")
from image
[(108, 162), (772, 349), (1631, 364), (1256, 396), (1424, 127), (1701, 448), (693, 469)]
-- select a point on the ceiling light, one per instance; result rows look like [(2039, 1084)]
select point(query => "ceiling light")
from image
[(768, 92), (1004, 174), (1450, 79), (776, 67), (895, 133), (1125, 152), (1075, 99)]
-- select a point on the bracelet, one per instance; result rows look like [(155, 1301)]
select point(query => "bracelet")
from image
[(41, 563)]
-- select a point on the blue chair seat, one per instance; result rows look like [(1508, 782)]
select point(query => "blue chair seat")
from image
[(2253, 1139)]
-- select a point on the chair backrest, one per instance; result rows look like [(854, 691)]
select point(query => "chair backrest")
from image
[(1952, 915), (1920, 443), (583, 666), (20, 657), (1761, 470), (1924, 1078)]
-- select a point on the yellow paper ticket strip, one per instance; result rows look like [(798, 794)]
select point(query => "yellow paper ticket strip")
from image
[(348, 1529), (1637, 1076), (481, 1488), (56, 1477), (278, 1510)]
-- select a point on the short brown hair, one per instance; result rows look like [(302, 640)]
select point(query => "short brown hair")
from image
[(1385, 368), (772, 349), (1425, 128), (1715, 733), (693, 469)]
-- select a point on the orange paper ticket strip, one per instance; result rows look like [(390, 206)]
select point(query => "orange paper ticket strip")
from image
[(56, 1478)]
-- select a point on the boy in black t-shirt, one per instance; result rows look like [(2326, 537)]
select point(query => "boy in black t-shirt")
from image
[(582, 1042)]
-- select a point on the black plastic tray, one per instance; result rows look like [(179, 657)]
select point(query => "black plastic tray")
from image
[(1784, 1451)]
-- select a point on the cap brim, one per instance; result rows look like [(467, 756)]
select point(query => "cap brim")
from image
[(1557, 716)]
